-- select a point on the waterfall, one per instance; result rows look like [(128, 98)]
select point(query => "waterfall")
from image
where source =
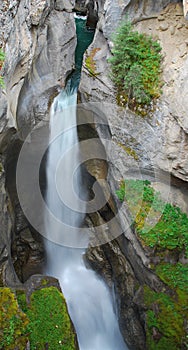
[(89, 302)]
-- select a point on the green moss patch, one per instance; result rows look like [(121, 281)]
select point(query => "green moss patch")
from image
[(13, 322), (50, 326), (130, 151), (90, 62), (162, 228), (175, 275), (166, 316), (45, 322), (168, 231)]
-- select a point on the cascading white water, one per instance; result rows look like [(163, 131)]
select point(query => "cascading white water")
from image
[(89, 301)]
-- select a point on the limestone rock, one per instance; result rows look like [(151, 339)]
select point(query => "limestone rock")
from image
[(37, 282), (65, 5), (7, 273), (170, 110), (183, 49), (153, 147), (39, 38), (39, 56), (163, 27), (38, 11), (185, 8)]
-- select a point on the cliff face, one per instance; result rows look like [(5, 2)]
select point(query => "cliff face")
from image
[(168, 126), (39, 56), (152, 147), (39, 38)]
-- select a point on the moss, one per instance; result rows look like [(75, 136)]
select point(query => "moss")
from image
[(131, 152), (44, 282), (175, 275), (164, 227), (21, 298), (167, 315), (13, 322), (50, 324), (158, 224), (90, 62), (44, 322)]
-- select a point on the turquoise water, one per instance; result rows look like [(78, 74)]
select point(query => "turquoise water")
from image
[(84, 39)]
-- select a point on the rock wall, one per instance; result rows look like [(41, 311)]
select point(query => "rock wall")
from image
[(39, 56), (185, 8), (155, 145), (39, 39), (162, 137)]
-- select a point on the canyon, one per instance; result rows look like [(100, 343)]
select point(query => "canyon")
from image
[(39, 39)]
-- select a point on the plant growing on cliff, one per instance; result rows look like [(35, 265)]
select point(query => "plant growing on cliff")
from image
[(169, 231), (90, 62), (168, 239), (2, 58), (135, 65)]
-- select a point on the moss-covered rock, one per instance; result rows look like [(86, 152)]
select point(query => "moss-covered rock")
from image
[(166, 320), (90, 62), (162, 229), (44, 322), (50, 325), (13, 322)]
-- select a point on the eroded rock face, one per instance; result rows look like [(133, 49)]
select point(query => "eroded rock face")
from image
[(39, 38), (160, 140), (40, 55), (156, 145), (185, 8)]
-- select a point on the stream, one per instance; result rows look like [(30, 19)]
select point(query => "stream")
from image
[(90, 304)]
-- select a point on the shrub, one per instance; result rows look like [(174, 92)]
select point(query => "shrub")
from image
[(135, 65)]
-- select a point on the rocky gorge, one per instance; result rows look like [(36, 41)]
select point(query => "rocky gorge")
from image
[(39, 39)]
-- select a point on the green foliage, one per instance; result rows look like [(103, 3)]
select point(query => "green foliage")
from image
[(167, 234), (13, 322), (44, 322), (174, 275), (135, 65), (169, 231), (50, 324), (21, 298), (167, 315), (2, 58)]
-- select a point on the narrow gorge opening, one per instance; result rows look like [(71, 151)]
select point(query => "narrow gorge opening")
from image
[(89, 301)]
